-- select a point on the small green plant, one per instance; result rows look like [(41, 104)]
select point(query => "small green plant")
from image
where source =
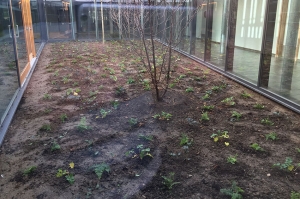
[(104, 113), (234, 191), (295, 195), (245, 95), (181, 76), (69, 91), (185, 140), (189, 90), (228, 101), (258, 106), (206, 96), (216, 88), (63, 117), (99, 169), (119, 91), (47, 96), (146, 85), (130, 81), (46, 127), (55, 146), (70, 178), (208, 108), (287, 165), (82, 124), (146, 137), (163, 116), (232, 159), (144, 151), (236, 115), (115, 104), (133, 122), (65, 79), (29, 170), (169, 180), (220, 135), (204, 116), (271, 136), (298, 150), (92, 94), (267, 121), (113, 77), (256, 147)]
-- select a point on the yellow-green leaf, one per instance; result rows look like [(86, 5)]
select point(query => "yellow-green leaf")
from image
[(290, 168), (216, 139), (72, 165)]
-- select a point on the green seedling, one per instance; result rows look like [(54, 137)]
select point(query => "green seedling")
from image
[(216, 88), (258, 106), (63, 117), (234, 191), (82, 124), (46, 127), (204, 116), (65, 79), (114, 78), (181, 76), (92, 94), (189, 90), (232, 159), (144, 151), (133, 122), (75, 84), (104, 113), (47, 96), (55, 146), (228, 101), (286, 166), (120, 91), (130, 81), (219, 135), (169, 181), (295, 195), (272, 136), (146, 137), (99, 169), (171, 85), (267, 121), (256, 147), (245, 95), (298, 150), (206, 96), (236, 114), (208, 108), (128, 153), (70, 178), (69, 91), (185, 140), (163, 116), (146, 85), (29, 170), (115, 104)]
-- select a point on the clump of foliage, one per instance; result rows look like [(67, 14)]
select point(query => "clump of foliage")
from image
[(169, 180), (206, 96), (258, 106), (63, 117), (232, 159), (287, 165), (228, 101), (298, 150), (99, 169), (115, 104), (55, 146), (185, 140), (236, 115), (204, 116), (245, 95), (120, 91), (146, 137), (220, 135), (29, 170), (267, 121), (143, 152), (189, 90), (47, 96), (272, 136), (256, 147), (234, 191), (130, 81), (46, 127), (133, 122), (104, 113), (82, 124), (295, 195), (163, 116), (208, 108), (69, 177), (61, 173)]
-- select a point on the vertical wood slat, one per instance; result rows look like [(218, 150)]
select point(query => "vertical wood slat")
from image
[(282, 26)]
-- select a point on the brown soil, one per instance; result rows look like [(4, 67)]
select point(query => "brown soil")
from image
[(201, 168)]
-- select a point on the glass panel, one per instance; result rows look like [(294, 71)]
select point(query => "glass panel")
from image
[(284, 74), (248, 38), (219, 20), (86, 20), (35, 24), (8, 71), (58, 19)]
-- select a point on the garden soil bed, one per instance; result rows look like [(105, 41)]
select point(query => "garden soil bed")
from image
[(61, 120)]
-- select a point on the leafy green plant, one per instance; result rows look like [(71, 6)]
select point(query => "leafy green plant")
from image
[(130, 81), (169, 180), (272, 136), (258, 106), (55, 146), (236, 115), (146, 85), (245, 95), (104, 113), (146, 137), (286, 166), (220, 135), (65, 79), (46, 127), (298, 150), (295, 195), (82, 124), (228, 101), (234, 191), (206, 96), (189, 90), (204, 116), (256, 147), (63, 117), (208, 108), (70, 178), (267, 121), (99, 169), (133, 122), (69, 91), (143, 152), (119, 91), (47, 96), (216, 88), (232, 159), (29, 170), (115, 104), (113, 77), (92, 94), (185, 140)]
